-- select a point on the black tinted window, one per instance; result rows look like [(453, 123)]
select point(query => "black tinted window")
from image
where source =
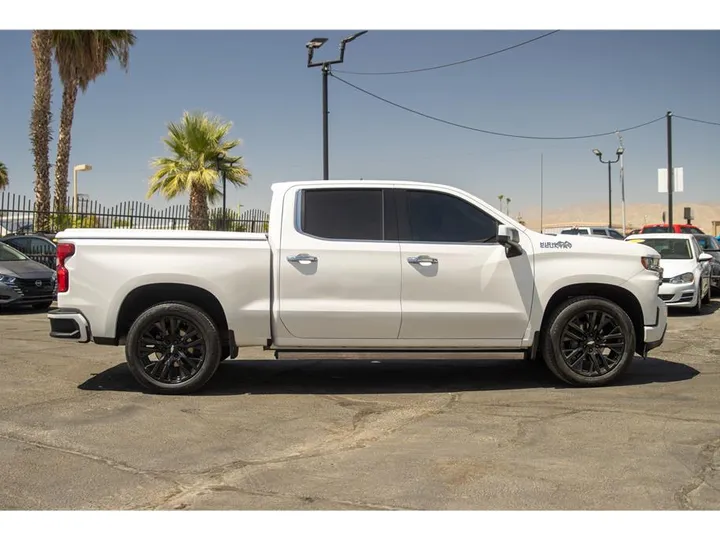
[(343, 214), (437, 217), (656, 229), (570, 231), (601, 232), (615, 234)]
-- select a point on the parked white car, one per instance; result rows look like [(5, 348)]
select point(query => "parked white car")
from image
[(360, 266), (686, 268)]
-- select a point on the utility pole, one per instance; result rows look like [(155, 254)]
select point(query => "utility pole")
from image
[(541, 193), (670, 175), (622, 183)]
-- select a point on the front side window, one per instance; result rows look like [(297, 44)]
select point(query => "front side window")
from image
[(600, 232), (614, 234), (439, 217), (343, 214)]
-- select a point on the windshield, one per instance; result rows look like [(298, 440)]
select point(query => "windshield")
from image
[(10, 254), (668, 248)]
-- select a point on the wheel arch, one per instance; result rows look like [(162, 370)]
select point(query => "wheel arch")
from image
[(625, 299), (146, 296)]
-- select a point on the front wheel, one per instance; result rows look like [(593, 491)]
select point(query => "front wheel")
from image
[(589, 341), (173, 348)]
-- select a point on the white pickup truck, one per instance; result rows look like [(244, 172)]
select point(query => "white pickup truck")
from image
[(359, 266)]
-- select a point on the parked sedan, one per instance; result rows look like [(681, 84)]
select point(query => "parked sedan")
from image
[(686, 272), (24, 281), (710, 244), (36, 246)]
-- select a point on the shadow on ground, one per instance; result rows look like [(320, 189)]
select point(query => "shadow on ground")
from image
[(707, 309), (385, 377)]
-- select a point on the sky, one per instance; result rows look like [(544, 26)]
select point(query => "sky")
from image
[(568, 84)]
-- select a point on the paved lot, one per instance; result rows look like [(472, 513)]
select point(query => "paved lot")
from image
[(76, 432)]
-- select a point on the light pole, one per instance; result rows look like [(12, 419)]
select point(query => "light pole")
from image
[(76, 170), (312, 46), (622, 181), (619, 153), (222, 163)]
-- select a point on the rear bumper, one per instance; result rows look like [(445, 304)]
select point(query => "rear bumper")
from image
[(68, 323)]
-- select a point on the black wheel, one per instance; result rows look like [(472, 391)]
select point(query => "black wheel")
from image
[(42, 305), (589, 341), (173, 348)]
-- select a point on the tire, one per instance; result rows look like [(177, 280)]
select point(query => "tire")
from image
[(708, 297), (183, 366), (588, 364), (697, 308), (42, 305)]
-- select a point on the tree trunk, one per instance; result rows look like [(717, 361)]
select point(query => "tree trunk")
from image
[(198, 208), (63, 147), (41, 45)]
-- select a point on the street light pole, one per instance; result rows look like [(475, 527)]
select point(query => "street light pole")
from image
[(222, 164), (312, 46), (619, 153)]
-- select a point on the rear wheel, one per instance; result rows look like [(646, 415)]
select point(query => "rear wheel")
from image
[(589, 341), (173, 348)]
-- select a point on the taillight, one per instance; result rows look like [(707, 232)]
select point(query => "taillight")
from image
[(64, 252)]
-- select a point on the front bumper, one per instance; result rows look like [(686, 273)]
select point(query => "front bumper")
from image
[(678, 295), (69, 324), (654, 335), (16, 294)]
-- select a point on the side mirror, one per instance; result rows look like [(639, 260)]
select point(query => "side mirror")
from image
[(704, 257), (507, 235)]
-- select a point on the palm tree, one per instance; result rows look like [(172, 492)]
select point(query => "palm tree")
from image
[(81, 57), (500, 198), (195, 144), (41, 45), (4, 178), (507, 205)]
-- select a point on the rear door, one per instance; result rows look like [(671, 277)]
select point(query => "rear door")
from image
[(457, 281), (339, 266)]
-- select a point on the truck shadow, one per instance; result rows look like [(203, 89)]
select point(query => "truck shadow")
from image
[(385, 377)]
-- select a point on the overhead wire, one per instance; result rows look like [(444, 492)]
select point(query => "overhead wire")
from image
[(696, 120), (431, 68), (489, 132)]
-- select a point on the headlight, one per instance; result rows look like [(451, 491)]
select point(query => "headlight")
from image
[(7, 279), (687, 277), (651, 263)]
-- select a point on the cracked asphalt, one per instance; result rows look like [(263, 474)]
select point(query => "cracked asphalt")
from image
[(76, 431)]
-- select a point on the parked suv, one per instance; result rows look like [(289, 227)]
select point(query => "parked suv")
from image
[(603, 232)]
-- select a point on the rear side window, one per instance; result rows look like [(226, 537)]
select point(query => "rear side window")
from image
[(601, 232), (343, 214)]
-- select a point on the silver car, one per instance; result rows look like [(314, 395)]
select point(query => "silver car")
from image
[(24, 281)]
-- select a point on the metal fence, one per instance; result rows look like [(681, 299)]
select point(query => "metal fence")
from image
[(18, 215)]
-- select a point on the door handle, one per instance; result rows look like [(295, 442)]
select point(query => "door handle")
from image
[(302, 258), (422, 260)]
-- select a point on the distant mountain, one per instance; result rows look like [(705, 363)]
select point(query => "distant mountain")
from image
[(636, 215)]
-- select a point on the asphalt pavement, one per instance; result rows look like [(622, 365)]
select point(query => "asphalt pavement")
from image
[(77, 432)]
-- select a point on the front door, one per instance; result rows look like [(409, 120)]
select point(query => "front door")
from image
[(457, 282), (339, 267)]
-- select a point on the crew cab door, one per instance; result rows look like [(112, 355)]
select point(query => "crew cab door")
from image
[(458, 282), (339, 265)]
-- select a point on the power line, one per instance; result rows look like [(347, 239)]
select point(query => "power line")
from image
[(450, 64), (696, 120), (488, 132)]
